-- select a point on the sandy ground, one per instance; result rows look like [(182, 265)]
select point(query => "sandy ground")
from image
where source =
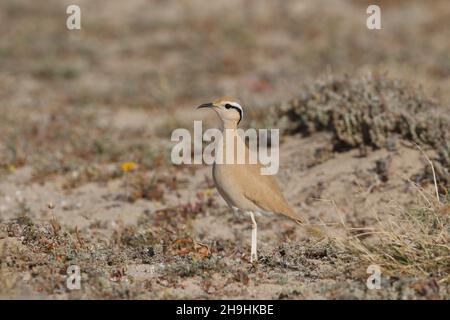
[(75, 106), (339, 187)]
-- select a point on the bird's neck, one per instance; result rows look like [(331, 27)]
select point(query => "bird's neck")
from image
[(233, 143), (229, 131), (232, 125)]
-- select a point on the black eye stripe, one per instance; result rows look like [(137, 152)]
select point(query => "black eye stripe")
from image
[(229, 106)]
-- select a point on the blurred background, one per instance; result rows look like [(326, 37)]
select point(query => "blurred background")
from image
[(86, 117), (155, 54), (172, 55)]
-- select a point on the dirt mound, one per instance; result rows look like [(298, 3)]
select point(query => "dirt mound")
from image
[(369, 111)]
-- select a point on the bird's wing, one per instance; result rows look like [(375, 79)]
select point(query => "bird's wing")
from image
[(264, 192)]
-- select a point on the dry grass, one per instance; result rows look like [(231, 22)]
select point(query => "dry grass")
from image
[(72, 106), (406, 241)]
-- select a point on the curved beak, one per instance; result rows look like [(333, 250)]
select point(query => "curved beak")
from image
[(206, 105)]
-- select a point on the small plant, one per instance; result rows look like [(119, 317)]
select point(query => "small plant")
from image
[(126, 168)]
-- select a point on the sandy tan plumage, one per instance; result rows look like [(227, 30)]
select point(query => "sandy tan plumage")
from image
[(267, 194), (224, 100), (243, 186)]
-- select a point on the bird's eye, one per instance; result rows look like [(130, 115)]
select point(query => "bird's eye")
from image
[(228, 106)]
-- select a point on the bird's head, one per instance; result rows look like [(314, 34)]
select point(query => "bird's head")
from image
[(228, 110)]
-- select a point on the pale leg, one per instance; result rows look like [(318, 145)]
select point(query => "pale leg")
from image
[(253, 254)]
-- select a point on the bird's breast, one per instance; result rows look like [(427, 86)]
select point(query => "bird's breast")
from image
[(229, 183), (223, 182)]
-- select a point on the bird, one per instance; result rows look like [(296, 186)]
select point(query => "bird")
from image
[(241, 185)]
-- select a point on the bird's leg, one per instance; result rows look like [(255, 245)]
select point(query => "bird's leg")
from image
[(253, 253)]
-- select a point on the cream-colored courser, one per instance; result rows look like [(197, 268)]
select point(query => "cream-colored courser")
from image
[(243, 186)]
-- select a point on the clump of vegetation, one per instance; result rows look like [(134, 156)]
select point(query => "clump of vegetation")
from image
[(409, 242), (370, 111)]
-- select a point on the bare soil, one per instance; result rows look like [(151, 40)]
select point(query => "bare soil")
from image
[(75, 106)]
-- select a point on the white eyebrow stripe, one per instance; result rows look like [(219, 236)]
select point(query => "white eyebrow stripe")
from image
[(237, 105)]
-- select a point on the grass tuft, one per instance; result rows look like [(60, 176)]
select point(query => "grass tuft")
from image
[(407, 242)]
